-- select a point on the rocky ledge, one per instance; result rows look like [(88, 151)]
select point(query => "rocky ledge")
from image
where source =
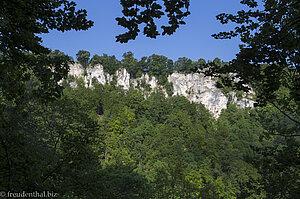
[(196, 87)]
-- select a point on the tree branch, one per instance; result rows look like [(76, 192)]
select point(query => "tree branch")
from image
[(289, 117)]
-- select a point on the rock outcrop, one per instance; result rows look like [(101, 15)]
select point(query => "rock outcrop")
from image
[(196, 87)]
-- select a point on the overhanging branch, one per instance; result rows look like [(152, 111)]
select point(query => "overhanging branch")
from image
[(284, 113)]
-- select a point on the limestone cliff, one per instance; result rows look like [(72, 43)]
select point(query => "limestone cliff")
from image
[(196, 87)]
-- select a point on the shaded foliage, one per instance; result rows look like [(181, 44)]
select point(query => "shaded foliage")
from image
[(136, 13)]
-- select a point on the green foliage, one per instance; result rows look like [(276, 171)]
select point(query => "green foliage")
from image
[(105, 142), (201, 63), (269, 57), (169, 88), (123, 182), (57, 53), (146, 86), (279, 165), (31, 135), (158, 64), (130, 64), (110, 63), (160, 67), (83, 57), (23, 56), (184, 64), (144, 12)]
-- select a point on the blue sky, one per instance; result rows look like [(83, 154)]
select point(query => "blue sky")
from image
[(192, 40)]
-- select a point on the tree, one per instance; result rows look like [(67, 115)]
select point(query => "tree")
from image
[(130, 63), (158, 64), (21, 52), (96, 59), (269, 58), (280, 166), (110, 63), (184, 64), (269, 61), (83, 57), (201, 63), (145, 12), (29, 73), (58, 53)]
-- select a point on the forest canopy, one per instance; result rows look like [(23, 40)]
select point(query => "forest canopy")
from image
[(108, 143)]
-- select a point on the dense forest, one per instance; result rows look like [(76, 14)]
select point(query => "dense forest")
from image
[(105, 142)]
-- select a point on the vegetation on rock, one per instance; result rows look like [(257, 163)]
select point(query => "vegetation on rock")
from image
[(107, 143)]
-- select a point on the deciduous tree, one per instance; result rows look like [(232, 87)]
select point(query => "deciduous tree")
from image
[(23, 55), (145, 12)]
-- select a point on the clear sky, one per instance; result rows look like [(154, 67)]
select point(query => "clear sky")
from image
[(192, 40)]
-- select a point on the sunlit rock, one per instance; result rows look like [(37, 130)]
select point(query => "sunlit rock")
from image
[(196, 87)]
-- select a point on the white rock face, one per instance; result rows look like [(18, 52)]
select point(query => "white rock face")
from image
[(76, 70), (98, 73), (199, 89), (123, 78), (196, 87), (245, 101)]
